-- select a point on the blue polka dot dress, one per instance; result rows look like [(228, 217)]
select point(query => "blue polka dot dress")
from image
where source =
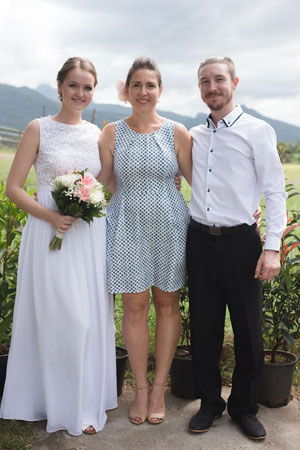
[(147, 216)]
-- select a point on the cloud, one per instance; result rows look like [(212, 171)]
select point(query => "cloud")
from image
[(262, 37)]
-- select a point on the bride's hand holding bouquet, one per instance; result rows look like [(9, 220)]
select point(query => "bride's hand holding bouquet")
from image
[(78, 195)]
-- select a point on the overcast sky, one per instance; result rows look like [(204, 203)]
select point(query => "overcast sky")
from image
[(262, 37)]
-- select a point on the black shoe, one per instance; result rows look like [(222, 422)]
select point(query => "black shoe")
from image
[(251, 426), (203, 420)]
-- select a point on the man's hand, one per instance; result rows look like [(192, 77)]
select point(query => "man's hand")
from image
[(177, 181), (257, 216), (268, 265)]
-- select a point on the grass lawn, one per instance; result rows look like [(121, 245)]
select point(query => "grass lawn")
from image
[(6, 158), (15, 435), (5, 163), (292, 173)]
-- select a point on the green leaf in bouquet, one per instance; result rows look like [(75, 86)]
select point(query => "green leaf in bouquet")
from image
[(82, 172), (74, 209)]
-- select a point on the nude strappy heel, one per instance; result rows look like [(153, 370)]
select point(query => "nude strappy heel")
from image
[(136, 417), (156, 418)]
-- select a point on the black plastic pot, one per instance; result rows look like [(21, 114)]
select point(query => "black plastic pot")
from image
[(122, 357), (181, 375), (3, 365), (277, 381)]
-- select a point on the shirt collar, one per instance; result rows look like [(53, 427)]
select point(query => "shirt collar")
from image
[(228, 120)]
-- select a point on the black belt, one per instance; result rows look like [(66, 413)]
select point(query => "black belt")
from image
[(222, 231)]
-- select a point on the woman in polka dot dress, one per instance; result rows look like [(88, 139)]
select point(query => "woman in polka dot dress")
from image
[(147, 221)]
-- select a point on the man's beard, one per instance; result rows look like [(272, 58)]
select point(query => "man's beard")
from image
[(224, 100)]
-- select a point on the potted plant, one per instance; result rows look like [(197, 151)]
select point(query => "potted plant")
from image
[(12, 220), (281, 320), (181, 372)]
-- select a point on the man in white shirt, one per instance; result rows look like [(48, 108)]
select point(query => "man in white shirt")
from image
[(235, 161)]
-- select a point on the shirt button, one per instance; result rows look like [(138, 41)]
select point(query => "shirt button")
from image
[(207, 209), (215, 131), (209, 170), (208, 190), (211, 150)]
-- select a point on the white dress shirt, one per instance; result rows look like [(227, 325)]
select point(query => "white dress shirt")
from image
[(233, 165)]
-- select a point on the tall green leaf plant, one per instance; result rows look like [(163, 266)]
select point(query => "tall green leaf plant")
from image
[(12, 221), (281, 296)]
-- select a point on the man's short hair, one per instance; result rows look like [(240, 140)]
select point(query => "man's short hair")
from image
[(219, 60)]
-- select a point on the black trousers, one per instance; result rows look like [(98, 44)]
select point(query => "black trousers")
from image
[(221, 272)]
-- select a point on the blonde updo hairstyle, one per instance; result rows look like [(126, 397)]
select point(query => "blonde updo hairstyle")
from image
[(74, 63)]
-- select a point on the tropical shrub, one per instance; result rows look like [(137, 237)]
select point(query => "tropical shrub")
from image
[(12, 221), (281, 296)]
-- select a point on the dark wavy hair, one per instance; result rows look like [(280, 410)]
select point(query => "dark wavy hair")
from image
[(143, 63)]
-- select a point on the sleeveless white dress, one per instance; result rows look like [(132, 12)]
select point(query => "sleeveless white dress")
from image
[(62, 364)]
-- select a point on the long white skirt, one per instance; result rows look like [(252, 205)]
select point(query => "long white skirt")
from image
[(62, 364)]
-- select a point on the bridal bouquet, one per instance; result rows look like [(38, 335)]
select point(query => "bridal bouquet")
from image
[(77, 194)]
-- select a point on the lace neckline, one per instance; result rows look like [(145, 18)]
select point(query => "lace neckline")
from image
[(66, 124)]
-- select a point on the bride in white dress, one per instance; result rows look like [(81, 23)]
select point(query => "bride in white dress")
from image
[(62, 364)]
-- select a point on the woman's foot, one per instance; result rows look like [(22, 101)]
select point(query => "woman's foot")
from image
[(89, 429), (138, 410), (156, 411)]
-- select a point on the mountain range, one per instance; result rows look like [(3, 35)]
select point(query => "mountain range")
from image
[(19, 105)]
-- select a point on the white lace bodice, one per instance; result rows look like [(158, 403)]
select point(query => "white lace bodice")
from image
[(66, 147)]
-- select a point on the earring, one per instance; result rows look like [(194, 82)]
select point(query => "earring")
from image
[(60, 96)]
